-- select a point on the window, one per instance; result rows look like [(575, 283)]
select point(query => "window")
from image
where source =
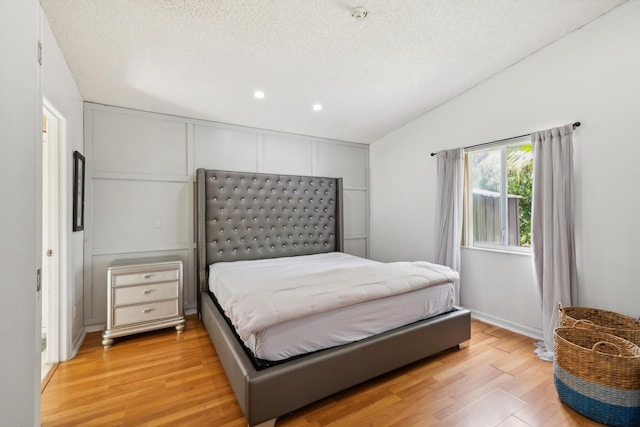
[(498, 196)]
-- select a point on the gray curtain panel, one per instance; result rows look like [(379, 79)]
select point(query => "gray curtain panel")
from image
[(448, 221), (552, 226)]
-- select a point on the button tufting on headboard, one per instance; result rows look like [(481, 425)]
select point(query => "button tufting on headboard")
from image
[(254, 216)]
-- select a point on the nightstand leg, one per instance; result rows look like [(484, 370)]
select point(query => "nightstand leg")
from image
[(106, 342), (180, 328)]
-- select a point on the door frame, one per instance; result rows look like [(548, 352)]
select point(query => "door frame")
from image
[(59, 294)]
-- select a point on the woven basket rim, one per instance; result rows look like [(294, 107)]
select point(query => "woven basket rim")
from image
[(633, 323), (628, 349)]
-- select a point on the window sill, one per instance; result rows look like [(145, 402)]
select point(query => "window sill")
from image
[(499, 251)]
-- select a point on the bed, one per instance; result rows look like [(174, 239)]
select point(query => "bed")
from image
[(243, 217)]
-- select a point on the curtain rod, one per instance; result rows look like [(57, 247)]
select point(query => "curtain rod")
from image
[(575, 125)]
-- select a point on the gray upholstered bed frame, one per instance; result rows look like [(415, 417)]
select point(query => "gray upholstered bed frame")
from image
[(244, 216)]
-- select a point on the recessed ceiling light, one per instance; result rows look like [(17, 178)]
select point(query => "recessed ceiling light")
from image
[(258, 94), (317, 107)]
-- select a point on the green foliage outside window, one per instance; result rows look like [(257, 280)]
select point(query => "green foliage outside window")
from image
[(488, 165), (519, 180)]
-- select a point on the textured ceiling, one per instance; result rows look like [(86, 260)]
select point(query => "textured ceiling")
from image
[(204, 58)]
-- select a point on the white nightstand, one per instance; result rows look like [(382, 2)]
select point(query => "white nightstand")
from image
[(143, 295)]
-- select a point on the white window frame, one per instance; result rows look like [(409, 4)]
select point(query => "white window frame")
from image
[(504, 207)]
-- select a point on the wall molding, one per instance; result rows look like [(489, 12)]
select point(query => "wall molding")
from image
[(142, 249), (143, 210)]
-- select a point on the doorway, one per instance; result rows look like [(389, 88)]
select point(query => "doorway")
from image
[(51, 137)]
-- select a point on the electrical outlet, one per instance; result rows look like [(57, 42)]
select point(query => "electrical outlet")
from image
[(157, 222)]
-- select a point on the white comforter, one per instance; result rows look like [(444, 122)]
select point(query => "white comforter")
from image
[(258, 294)]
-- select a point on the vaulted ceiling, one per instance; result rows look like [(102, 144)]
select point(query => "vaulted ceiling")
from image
[(204, 59)]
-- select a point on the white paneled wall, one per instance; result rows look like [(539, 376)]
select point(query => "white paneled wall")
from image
[(287, 155), (226, 149), (140, 169), (133, 144), (349, 161), (140, 214)]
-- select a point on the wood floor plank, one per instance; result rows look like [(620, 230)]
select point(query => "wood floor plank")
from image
[(161, 378), (491, 409)]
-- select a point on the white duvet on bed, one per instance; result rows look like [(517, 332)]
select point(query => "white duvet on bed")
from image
[(275, 303)]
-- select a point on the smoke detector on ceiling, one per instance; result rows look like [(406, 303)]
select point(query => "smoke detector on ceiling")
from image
[(359, 12)]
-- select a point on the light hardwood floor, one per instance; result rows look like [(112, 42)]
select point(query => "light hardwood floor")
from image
[(162, 378)]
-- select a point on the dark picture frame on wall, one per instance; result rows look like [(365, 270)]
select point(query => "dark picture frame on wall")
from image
[(78, 191)]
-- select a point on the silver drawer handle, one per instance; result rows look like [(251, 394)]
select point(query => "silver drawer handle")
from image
[(147, 310), (147, 276), (148, 291)]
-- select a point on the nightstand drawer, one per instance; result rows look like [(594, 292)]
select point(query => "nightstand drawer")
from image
[(146, 277), (145, 293), (144, 312)]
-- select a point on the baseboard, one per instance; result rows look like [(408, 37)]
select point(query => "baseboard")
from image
[(94, 328), (507, 324), (77, 342)]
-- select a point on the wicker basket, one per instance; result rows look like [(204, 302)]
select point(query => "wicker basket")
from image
[(598, 375), (601, 320)]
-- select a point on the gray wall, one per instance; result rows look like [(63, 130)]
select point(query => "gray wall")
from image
[(20, 207), (140, 169), (61, 92), (591, 75)]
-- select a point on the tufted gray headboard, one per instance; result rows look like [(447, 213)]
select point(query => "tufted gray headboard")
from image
[(247, 216)]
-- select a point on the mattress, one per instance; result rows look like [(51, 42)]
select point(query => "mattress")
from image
[(327, 329)]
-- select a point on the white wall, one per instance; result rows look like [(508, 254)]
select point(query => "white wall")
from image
[(60, 90), (140, 168), (20, 241), (590, 76)]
